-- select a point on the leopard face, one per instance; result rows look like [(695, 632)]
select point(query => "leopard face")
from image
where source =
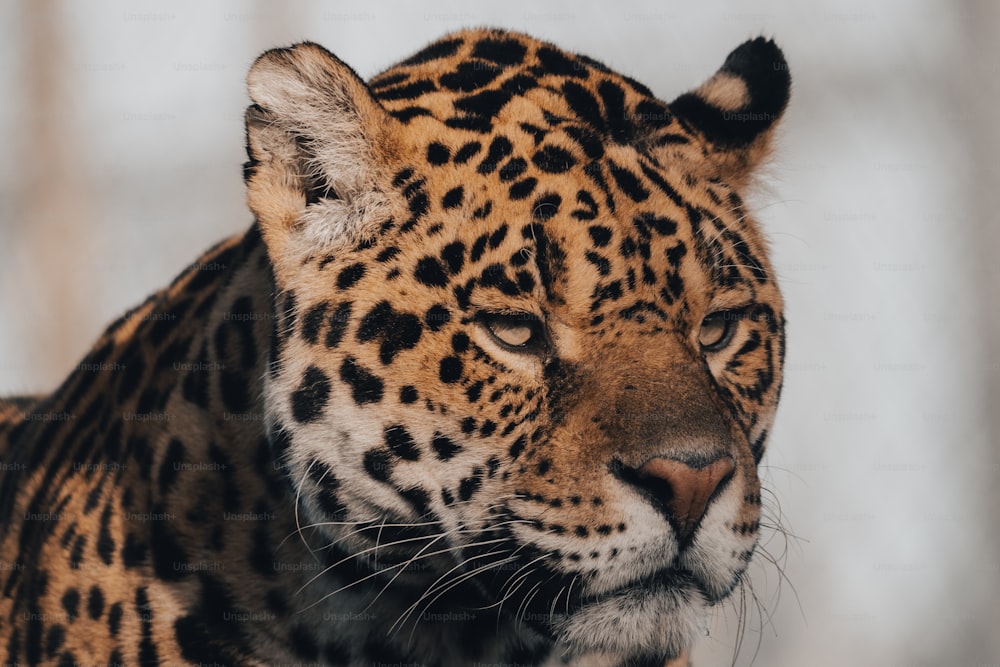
[(528, 343)]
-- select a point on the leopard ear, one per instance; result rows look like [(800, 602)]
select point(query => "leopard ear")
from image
[(316, 141), (736, 110)]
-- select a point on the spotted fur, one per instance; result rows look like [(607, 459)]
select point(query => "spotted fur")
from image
[(429, 408)]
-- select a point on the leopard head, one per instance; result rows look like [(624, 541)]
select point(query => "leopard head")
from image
[(528, 339)]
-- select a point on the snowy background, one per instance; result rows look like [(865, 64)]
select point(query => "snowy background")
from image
[(121, 140)]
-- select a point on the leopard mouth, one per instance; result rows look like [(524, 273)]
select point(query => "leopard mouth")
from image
[(653, 618)]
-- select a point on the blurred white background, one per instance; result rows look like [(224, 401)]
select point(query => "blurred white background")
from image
[(122, 138)]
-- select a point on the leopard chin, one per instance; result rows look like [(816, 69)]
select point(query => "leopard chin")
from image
[(637, 625)]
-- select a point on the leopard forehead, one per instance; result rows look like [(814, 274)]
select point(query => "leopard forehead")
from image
[(510, 150)]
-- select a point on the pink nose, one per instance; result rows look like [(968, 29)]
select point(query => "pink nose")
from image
[(687, 490)]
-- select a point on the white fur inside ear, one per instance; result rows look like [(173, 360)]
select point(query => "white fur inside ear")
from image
[(332, 224)]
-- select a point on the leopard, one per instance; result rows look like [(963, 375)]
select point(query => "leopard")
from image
[(487, 381)]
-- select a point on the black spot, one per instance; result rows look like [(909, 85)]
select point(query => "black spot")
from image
[(525, 281), (474, 391), (402, 176), (599, 261), (628, 182), (600, 235), (468, 425), (453, 255), (500, 51), (553, 160), (71, 603), (147, 648), (523, 188), (105, 542), (467, 152), (391, 80), (499, 149), (55, 639), (387, 254), (450, 370), (309, 400), (497, 237), (584, 105), (400, 442), (95, 603), (430, 272), (546, 207), (468, 486), (378, 465), (444, 447), (407, 91), (676, 253), (613, 97), (452, 198), (115, 618), (588, 141), (408, 394), (312, 322), (460, 342), (519, 84), (366, 387), (338, 324), (495, 275), (554, 62), (350, 275), (487, 428), (408, 113), (418, 204), (463, 293), (396, 331), (514, 168), (438, 154), (492, 465), (480, 124), (436, 317), (660, 224), (612, 291), (469, 76), (478, 247)]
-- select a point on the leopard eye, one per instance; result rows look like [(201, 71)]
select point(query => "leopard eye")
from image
[(518, 332), (717, 330)]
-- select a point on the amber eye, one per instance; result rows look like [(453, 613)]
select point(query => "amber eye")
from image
[(717, 330), (519, 332)]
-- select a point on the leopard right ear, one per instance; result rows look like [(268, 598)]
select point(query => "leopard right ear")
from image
[(735, 111), (316, 142)]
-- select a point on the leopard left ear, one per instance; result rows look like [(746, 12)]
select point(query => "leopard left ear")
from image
[(736, 110), (317, 142)]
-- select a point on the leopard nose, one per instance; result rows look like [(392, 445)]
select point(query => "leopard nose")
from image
[(685, 488)]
